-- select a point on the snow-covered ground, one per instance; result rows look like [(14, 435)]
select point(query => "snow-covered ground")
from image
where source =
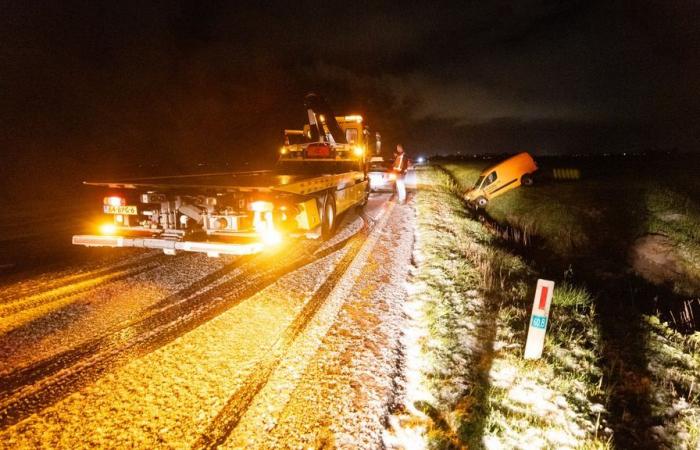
[(369, 340), (337, 384), (333, 383), (467, 384), (44, 324)]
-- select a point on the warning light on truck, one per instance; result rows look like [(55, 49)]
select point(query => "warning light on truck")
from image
[(353, 118)]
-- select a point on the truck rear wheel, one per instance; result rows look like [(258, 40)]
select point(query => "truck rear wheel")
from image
[(526, 180), (328, 219)]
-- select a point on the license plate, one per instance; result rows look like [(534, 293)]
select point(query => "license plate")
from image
[(123, 210)]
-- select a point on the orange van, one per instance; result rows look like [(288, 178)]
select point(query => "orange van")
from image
[(501, 178)]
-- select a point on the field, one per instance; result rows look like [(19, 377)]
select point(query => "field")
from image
[(618, 213), (614, 373)]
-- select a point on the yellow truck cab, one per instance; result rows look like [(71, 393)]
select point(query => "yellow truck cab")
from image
[(501, 178), (357, 134)]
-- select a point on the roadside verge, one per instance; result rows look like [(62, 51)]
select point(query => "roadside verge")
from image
[(470, 298)]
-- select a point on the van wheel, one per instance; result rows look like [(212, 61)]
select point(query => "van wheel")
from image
[(481, 202), (328, 219), (527, 180)]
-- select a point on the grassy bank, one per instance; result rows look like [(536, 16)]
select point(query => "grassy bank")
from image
[(624, 378), (476, 297)]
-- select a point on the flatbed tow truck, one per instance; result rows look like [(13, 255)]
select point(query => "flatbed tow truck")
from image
[(317, 178)]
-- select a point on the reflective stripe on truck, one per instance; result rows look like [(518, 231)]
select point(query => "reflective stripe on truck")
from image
[(169, 247)]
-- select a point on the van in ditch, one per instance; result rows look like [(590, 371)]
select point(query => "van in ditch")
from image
[(497, 180)]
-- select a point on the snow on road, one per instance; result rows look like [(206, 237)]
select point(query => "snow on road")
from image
[(56, 323), (168, 397), (338, 382), (335, 384)]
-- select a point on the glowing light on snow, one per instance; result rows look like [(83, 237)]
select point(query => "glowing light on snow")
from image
[(108, 229), (271, 237)]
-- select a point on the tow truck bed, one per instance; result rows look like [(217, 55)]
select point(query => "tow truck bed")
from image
[(251, 181), (257, 180)]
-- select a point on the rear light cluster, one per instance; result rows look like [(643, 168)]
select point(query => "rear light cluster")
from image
[(114, 201)]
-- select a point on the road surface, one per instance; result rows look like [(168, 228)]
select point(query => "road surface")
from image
[(296, 347)]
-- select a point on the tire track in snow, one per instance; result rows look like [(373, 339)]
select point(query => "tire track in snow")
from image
[(72, 283), (30, 389), (230, 415), (66, 294)]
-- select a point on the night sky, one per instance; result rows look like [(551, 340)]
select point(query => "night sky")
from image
[(102, 86)]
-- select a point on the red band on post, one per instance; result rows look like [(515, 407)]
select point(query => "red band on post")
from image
[(543, 297)]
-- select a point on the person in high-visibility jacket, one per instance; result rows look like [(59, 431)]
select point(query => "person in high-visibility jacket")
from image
[(399, 168)]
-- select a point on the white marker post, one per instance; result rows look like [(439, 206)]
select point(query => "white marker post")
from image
[(539, 319)]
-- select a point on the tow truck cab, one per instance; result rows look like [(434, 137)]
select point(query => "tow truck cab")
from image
[(355, 131)]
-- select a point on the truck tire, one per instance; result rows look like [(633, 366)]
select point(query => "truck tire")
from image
[(527, 180), (328, 216), (481, 202), (361, 206)]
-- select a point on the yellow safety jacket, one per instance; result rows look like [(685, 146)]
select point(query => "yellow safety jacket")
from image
[(400, 163)]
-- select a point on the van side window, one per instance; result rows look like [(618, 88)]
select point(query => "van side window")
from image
[(490, 179)]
